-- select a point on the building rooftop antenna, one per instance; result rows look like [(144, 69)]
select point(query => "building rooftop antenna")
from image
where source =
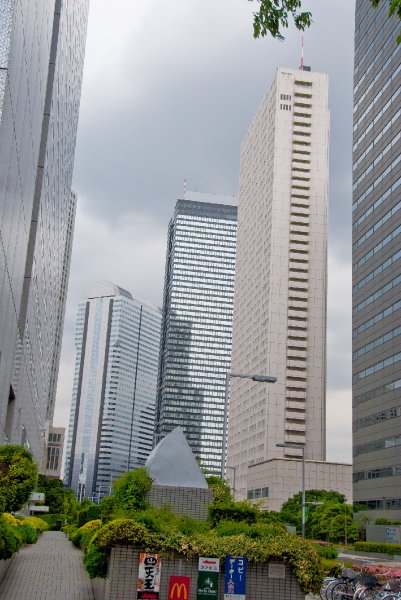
[(302, 53)]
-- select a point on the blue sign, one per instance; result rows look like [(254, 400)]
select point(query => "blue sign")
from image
[(235, 578)]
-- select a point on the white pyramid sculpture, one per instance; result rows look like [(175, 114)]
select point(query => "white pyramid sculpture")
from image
[(172, 462)]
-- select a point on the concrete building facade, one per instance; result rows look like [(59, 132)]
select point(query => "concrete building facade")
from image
[(376, 262), (113, 400), (195, 351), (279, 324), (41, 59)]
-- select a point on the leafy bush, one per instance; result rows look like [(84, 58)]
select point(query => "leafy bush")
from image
[(95, 561), (131, 488), (11, 520), (326, 550), (90, 525), (88, 511), (28, 533), (383, 521), (255, 531), (331, 568), (69, 529), (37, 523), (18, 476), (10, 540), (377, 547), (232, 511)]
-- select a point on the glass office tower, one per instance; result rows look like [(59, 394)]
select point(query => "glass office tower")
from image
[(195, 352), (113, 400), (377, 261), (41, 61)]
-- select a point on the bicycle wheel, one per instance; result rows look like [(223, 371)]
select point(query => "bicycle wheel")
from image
[(390, 596), (329, 588), (325, 583), (369, 594), (342, 591)]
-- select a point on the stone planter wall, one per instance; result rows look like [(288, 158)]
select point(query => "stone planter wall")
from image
[(193, 502), (123, 573)]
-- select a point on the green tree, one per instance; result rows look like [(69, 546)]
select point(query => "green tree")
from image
[(274, 16), (18, 476), (59, 499), (131, 488), (221, 489), (333, 522), (291, 511)]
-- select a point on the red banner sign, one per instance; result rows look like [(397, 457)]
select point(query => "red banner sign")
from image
[(178, 588)]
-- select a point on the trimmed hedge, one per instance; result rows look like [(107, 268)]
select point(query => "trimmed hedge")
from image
[(325, 550), (378, 547)]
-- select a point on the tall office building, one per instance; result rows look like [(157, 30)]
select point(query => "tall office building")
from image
[(195, 351), (41, 60), (113, 400), (280, 291), (377, 261)]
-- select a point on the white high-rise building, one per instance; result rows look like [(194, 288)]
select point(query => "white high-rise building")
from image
[(113, 399), (280, 290)]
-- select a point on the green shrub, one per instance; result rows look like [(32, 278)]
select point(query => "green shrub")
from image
[(383, 521), (377, 547), (95, 561), (28, 533), (10, 540), (69, 529), (331, 568), (232, 511), (54, 521), (36, 522), (326, 550), (131, 488), (18, 476), (88, 512)]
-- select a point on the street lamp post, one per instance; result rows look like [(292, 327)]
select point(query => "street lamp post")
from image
[(252, 377), (301, 447)]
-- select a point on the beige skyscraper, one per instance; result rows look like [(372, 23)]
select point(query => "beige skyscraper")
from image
[(281, 288)]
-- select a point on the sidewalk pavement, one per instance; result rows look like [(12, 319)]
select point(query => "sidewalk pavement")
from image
[(51, 569)]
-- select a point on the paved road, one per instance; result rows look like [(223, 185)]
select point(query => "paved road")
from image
[(51, 569)]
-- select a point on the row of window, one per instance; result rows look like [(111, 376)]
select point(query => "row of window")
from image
[(258, 493), (387, 263), (387, 503), (387, 362), (376, 161), (375, 120), (378, 52), (377, 181), (389, 238), (378, 96), (376, 203), (377, 294), (375, 79), (393, 471), (384, 415), (390, 335), (382, 444), (375, 140), (377, 225), (376, 318), (377, 392)]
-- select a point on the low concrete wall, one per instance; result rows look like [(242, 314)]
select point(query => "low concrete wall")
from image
[(193, 502), (123, 573)]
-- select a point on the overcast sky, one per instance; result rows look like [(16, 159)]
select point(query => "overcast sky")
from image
[(169, 90)]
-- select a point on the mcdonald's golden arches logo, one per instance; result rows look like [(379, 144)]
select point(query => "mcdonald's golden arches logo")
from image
[(178, 588)]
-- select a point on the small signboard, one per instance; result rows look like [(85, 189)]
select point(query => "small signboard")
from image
[(148, 585), (235, 578), (208, 578), (276, 571), (179, 588), (393, 535)]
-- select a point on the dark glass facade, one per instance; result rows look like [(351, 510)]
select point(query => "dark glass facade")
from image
[(41, 53), (195, 352), (377, 260)]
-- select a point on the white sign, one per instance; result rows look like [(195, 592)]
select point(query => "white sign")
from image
[(209, 564), (393, 535), (276, 571)]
